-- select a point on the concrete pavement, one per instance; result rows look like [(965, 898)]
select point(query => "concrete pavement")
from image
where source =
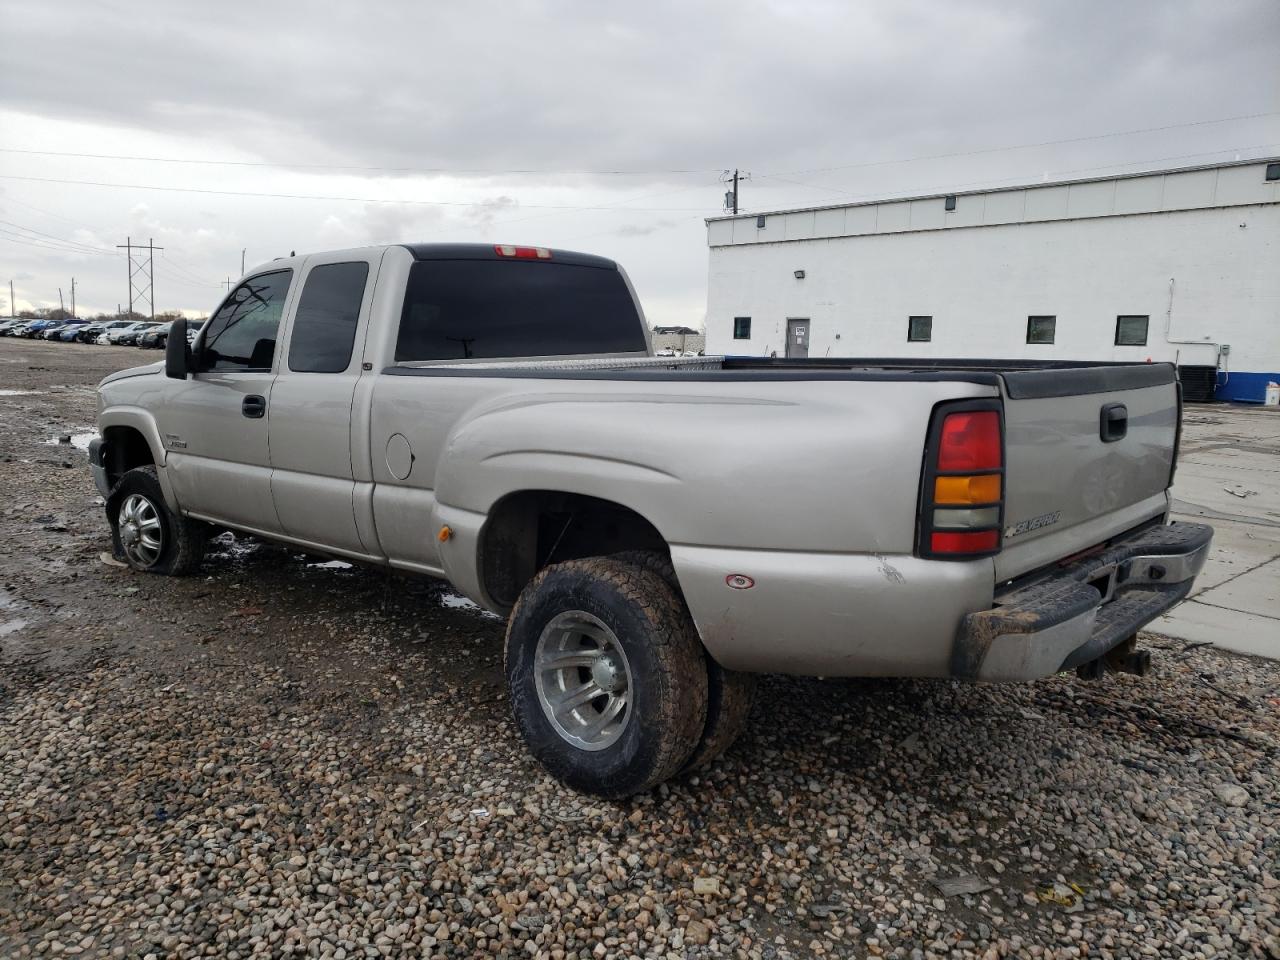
[(1229, 476)]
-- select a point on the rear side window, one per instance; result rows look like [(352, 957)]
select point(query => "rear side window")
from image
[(242, 334), (464, 309), (324, 326)]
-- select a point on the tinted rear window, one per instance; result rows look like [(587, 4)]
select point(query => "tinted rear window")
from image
[(463, 309)]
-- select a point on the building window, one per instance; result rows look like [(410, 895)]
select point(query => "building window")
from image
[(1273, 171), (1131, 331), (1041, 329), (742, 328), (919, 329), (950, 203)]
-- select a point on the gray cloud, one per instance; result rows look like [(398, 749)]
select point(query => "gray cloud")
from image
[(668, 85), (767, 85)]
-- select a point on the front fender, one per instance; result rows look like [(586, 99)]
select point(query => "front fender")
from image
[(141, 420)]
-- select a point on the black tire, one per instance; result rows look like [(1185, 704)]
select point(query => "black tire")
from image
[(182, 541), (730, 693), (667, 687)]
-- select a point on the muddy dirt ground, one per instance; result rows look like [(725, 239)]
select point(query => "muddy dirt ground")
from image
[(282, 757)]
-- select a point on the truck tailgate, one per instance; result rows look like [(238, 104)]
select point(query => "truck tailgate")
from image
[(1088, 454)]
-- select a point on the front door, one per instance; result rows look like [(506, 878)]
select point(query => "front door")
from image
[(215, 426), (797, 337), (312, 479)]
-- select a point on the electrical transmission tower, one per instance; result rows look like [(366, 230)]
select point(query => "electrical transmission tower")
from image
[(141, 273)]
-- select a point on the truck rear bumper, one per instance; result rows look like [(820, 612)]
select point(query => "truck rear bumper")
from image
[(1080, 610)]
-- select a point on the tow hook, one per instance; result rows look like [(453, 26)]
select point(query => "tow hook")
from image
[(1124, 658)]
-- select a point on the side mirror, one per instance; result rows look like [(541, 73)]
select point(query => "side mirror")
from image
[(177, 352)]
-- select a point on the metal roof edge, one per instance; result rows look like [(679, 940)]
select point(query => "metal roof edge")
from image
[(1009, 189)]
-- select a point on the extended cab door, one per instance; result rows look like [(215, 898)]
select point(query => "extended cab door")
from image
[(215, 425), (313, 483)]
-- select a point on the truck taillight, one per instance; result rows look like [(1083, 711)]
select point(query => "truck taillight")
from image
[(522, 253), (962, 494)]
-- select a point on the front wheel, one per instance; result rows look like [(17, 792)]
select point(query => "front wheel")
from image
[(607, 676), (146, 533)]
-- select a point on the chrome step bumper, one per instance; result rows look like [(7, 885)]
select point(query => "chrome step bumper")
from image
[(1077, 612)]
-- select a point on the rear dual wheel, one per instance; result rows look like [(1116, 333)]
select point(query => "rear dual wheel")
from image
[(609, 681)]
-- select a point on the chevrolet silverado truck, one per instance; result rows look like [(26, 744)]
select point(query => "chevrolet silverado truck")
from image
[(658, 531)]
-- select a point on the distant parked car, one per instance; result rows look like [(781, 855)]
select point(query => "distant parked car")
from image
[(116, 335), (129, 336), (7, 327), (55, 332), (94, 331), (154, 339), (72, 333), (33, 328)]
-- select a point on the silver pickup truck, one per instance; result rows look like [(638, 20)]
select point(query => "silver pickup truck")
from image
[(658, 531)]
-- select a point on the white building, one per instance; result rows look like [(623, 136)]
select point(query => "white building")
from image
[(1180, 265)]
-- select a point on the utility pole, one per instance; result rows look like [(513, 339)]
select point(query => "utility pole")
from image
[(242, 253), (73, 296), (13, 304), (731, 195), (141, 287), (61, 306)]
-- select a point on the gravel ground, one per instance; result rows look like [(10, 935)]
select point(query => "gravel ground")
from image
[(277, 758)]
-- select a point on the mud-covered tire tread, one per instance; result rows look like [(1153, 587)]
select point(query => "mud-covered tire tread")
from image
[(678, 687), (730, 693), (185, 540)]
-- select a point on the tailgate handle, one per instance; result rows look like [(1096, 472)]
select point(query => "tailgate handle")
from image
[(1114, 422)]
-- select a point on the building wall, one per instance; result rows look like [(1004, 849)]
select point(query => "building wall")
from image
[(1207, 275)]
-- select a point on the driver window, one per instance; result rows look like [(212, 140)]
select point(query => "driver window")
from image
[(242, 334)]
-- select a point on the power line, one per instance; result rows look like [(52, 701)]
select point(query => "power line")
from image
[(38, 243), (367, 169), (1029, 146), (48, 236), (331, 199), (1016, 181)]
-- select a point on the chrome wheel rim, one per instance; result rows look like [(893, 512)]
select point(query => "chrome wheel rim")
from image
[(583, 680), (141, 535)]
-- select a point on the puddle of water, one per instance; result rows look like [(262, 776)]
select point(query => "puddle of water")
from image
[(18, 393), (331, 565), (78, 440), (9, 624), (456, 602)]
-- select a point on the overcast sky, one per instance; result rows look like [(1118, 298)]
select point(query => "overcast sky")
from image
[(597, 126)]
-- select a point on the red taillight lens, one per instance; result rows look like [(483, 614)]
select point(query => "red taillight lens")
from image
[(962, 494), (982, 541), (970, 442), (522, 253)]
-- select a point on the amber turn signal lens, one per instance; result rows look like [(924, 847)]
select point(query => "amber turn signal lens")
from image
[(966, 490), (445, 533)]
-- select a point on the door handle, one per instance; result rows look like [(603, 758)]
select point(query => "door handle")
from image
[(1113, 422), (254, 407)]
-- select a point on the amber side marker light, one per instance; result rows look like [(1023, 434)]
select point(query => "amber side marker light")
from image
[(445, 533)]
